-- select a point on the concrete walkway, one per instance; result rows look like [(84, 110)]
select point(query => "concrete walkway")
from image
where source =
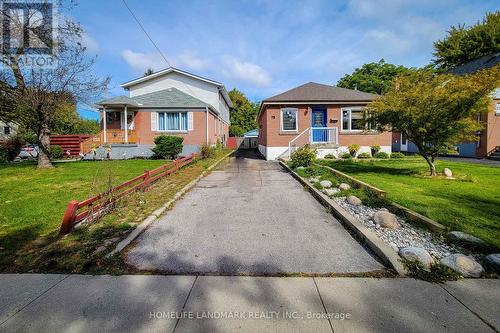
[(134, 303), (249, 217)]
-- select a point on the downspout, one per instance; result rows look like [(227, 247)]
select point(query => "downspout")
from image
[(206, 113)]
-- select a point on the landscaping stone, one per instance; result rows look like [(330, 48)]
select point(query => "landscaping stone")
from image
[(354, 200), (313, 180), (465, 240), (493, 261), (465, 265), (447, 172), (331, 191), (344, 187), (326, 183), (406, 236), (300, 168), (386, 219), (417, 254)]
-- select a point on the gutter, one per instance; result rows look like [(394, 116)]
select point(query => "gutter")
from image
[(206, 124)]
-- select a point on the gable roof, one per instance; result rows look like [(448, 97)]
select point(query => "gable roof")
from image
[(473, 66), (316, 92), (167, 98), (168, 70)]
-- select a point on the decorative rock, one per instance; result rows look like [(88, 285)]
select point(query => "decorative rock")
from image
[(313, 180), (447, 172), (331, 191), (326, 183), (386, 219), (417, 254), (353, 200), (465, 239), (300, 168), (493, 261), (344, 187), (465, 265), (383, 209)]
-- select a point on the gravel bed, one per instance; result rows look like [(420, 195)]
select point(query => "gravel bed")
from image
[(406, 236)]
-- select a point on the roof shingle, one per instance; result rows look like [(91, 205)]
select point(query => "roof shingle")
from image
[(315, 92)]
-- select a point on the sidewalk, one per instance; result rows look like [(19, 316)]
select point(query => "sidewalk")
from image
[(83, 303)]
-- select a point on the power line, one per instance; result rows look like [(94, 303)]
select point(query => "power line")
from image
[(146, 33)]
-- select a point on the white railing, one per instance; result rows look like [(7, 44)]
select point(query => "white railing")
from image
[(313, 135), (324, 135), (299, 141)]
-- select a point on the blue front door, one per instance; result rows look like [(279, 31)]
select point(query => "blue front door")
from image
[(319, 120)]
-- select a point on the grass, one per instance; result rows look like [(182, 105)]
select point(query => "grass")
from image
[(469, 203), (32, 203)]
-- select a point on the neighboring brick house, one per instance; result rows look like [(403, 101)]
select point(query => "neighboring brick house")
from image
[(488, 143), (169, 102), (328, 117)]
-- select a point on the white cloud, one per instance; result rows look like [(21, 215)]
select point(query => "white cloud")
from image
[(90, 43), (384, 39), (245, 72), (143, 61)]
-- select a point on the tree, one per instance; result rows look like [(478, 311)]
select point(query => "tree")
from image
[(463, 44), (30, 95), (148, 72), (374, 77), (243, 113), (435, 110)]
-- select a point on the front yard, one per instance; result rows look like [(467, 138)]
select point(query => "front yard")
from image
[(469, 203), (32, 204)]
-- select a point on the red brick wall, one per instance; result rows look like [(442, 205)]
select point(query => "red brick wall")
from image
[(490, 137), (270, 132)]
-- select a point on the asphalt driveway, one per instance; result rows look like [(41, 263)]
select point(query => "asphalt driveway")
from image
[(249, 217)]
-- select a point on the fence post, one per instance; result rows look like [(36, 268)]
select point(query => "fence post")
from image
[(146, 179), (69, 217)]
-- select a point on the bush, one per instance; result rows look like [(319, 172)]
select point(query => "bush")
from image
[(304, 156), (168, 146), (56, 151), (207, 151), (382, 155), (397, 155), (364, 156), (345, 156), (329, 157), (353, 149), (375, 149), (10, 148)]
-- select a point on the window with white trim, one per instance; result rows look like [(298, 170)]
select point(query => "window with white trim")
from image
[(356, 119), (497, 109), (172, 121), (289, 119)]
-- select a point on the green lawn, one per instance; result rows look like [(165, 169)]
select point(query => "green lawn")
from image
[(32, 201), (470, 203)]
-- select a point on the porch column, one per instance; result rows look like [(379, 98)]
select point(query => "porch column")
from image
[(126, 125), (104, 123)]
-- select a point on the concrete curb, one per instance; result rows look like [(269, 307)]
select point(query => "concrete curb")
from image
[(379, 247), (157, 213), (395, 208)]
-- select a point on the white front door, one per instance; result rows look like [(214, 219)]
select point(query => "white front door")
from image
[(404, 142)]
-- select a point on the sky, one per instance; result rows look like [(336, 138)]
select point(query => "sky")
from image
[(265, 47)]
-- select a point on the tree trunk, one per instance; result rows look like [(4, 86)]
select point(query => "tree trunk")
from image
[(430, 162), (44, 144)]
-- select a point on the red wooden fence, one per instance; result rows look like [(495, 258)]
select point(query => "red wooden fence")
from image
[(69, 142), (78, 211)]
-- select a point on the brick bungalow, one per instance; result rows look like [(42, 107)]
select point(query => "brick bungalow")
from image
[(328, 117), (168, 102)]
